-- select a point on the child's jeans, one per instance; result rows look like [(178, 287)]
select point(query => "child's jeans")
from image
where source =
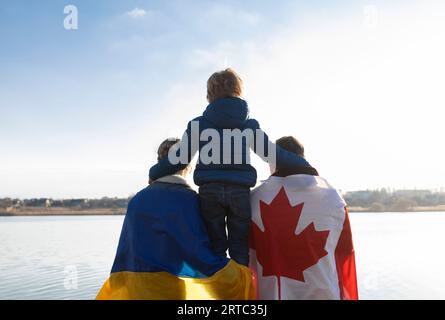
[(218, 202)]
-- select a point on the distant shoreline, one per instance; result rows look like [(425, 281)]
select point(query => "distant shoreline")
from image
[(60, 211), (440, 208)]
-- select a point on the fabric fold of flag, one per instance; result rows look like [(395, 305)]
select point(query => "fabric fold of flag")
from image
[(301, 241), (164, 252), (233, 282)]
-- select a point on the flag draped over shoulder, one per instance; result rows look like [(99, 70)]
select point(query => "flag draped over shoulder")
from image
[(164, 252), (301, 242)]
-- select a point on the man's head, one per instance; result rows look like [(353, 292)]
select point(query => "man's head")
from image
[(290, 144), (165, 147), (224, 84)]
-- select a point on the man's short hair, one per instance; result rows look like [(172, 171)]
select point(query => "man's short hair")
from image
[(291, 144), (165, 146), (224, 84)]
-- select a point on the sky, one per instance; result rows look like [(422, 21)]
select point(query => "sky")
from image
[(359, 83)]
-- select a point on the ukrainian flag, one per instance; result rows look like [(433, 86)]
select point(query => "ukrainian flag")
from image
[(164, 252)]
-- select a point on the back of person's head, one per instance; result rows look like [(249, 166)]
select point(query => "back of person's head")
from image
[(291, 144), (224, 84), (165, 147), (163, 150)]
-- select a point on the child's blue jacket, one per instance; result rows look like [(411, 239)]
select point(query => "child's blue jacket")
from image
[(226, 113)]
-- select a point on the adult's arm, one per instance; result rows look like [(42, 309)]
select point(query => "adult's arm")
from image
[(262, 146)]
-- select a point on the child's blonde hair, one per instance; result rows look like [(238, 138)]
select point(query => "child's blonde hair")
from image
[(224, 84)]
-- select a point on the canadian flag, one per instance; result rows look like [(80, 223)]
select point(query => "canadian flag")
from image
[(301, 242)]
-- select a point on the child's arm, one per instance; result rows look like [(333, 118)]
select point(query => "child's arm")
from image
[(164, 167), (284, 158)]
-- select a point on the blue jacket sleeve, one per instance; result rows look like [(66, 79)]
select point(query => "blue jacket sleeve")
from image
[(262, 146), (185, 153)]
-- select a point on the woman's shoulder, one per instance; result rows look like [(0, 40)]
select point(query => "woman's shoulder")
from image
[(159, 197), (173, 187), (159, 190)]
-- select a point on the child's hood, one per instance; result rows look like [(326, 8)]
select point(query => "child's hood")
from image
[(227, 113)]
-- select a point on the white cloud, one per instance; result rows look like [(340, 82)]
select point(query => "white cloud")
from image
[(136, 13)]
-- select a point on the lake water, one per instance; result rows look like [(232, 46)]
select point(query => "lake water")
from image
[(399, 255)]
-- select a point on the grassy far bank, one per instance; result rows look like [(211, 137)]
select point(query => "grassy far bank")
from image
[(64, 207), (382, 200), (440, 208), (386, 200), (60, 211)]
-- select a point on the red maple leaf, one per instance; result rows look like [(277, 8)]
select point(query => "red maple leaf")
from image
[(279, 250)]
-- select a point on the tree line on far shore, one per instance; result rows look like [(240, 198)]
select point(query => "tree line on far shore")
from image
[(370, 200), (382, 200), (66, 203)]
